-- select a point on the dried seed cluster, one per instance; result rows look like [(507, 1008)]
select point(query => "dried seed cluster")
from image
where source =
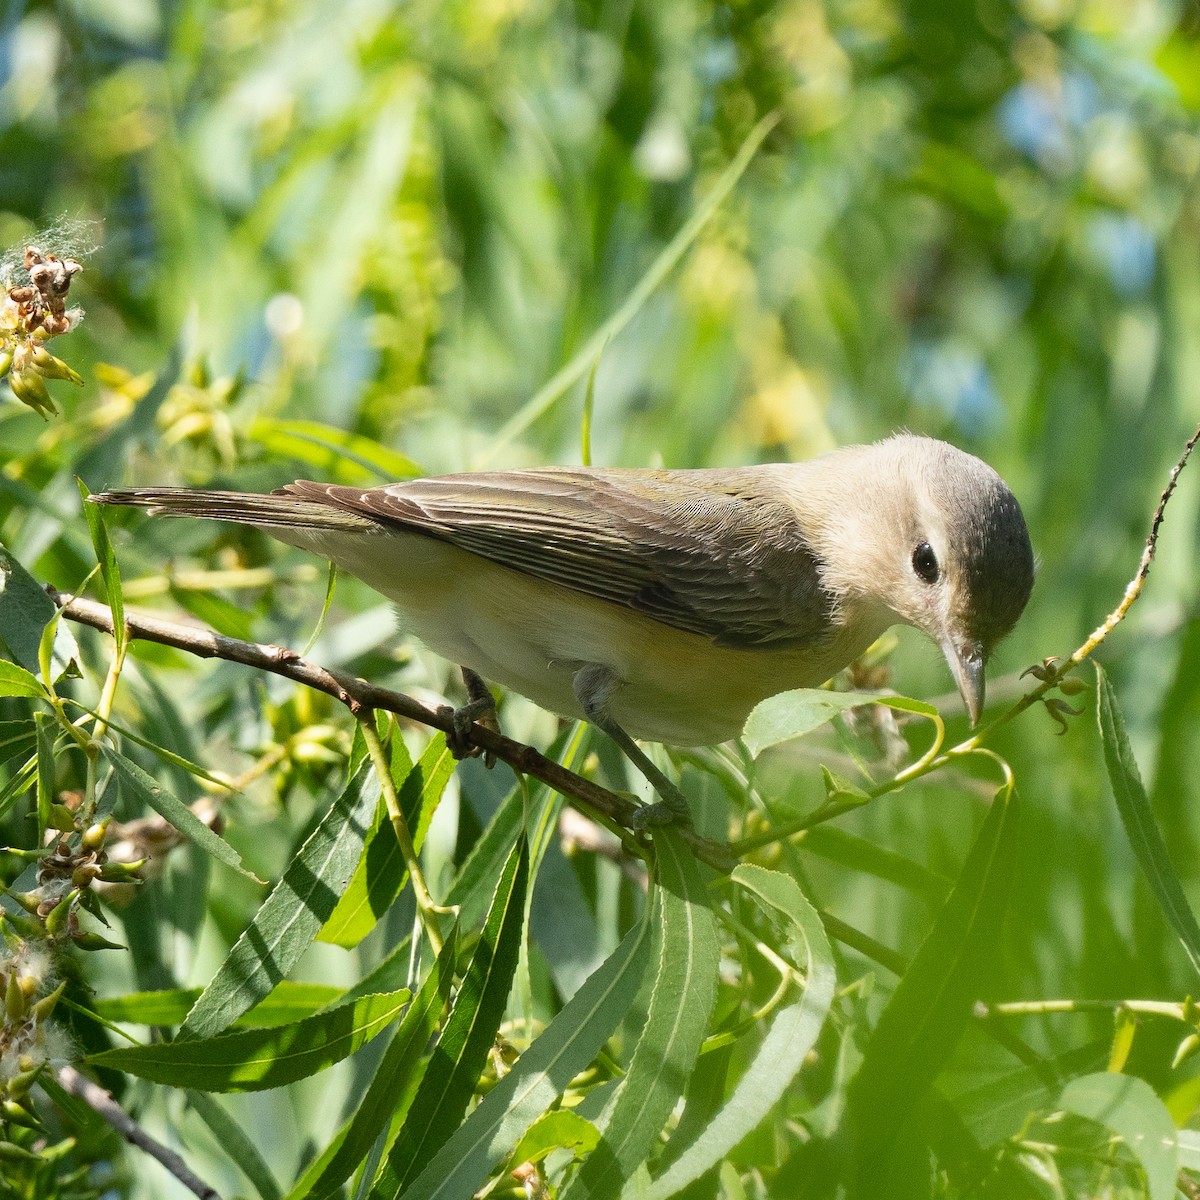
[(30, 315)]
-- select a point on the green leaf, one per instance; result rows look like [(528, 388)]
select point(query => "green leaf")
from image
[(216, 612), (381, 873), (462, 1050), (393, 1086), (16, 681), (556, 387), (25, 611), (1129, 1107), (471, 891), (837, 846), (288, 921), (288, 1001), (998, 1109), (109, 572), (909, 705), (792, 1034), (567, 1046), (252, 1060), (558, 1130), (793, 714), (918, 1030), (46, 790), (17, 739), (333, 451), (687, 953), (144, 788), (1138, 820), (231, 1136), (1188, 1147)]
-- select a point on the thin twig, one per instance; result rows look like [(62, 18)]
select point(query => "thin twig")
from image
[(96, 1098), (383, 772), (359, 695), (1052, 672)]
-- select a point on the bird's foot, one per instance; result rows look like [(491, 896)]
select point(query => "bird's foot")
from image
[(671, 810), (594, 687), (480, 709)]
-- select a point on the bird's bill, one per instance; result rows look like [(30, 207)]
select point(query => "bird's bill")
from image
[(966, 665)]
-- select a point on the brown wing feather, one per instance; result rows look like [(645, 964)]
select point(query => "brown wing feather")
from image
[(716, 553)]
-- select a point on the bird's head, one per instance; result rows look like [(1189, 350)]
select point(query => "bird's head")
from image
[(963, 566)]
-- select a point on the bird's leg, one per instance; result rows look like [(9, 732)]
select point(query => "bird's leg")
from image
[(481, 708), (594, 686)]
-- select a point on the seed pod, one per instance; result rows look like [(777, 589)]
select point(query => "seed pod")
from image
[(94, 835), (30, 389), (123, 872), (45, 1006), (14, 1000), (50, 367), (94, 941), (56, 922)]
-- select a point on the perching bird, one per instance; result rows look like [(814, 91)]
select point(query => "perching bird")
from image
[(668, 603)]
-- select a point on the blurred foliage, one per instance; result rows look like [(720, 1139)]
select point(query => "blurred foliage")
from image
[(351, 240)]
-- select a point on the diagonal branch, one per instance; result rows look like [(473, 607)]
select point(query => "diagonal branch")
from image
[(358, 694), (96, 1098)]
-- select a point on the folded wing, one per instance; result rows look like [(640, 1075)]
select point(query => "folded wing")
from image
[(716, 553)]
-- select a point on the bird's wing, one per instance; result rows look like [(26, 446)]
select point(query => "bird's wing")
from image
[(716, 553)]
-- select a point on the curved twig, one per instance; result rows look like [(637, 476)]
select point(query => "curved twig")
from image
[(358, 694)]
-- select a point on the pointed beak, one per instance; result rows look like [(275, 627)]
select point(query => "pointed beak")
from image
[(966, 665)]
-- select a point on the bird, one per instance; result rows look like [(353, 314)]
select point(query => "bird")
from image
[(664, 604)]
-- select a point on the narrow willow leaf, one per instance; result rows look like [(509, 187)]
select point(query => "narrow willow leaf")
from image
[(291, 915), (288, 1001), (331, 578), (17, 739), (462, 1050), (909, 705), (332, 449), (16, 681), (381, 873), (1129, 1107), (251, 1060), (687, 952), (567, 1046), (1188, 1145), (998, 1109), (237, 1145), (109, 572), (227, 618), (143, 787), (176, 760), (471, 890), (46, 790), (550, 392), (558, 1130), (794, 1029), (392, 1089), (792, 714), (1138, 820), (25, 611), (837, 846), (918, 1030)]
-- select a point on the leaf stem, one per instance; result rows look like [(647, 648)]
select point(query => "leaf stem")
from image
[(383, 771)]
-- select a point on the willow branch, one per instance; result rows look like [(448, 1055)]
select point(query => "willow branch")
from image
[(99, 1101), (359, 696)]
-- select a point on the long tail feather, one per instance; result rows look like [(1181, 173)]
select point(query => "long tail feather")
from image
[(279, 511)]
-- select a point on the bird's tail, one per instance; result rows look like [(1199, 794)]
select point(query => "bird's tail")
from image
[(275, 510)]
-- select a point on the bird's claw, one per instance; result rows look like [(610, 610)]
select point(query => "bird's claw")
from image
[(460, 739), (663, 812)]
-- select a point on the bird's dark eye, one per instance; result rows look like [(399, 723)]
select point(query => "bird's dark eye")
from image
[(925, 563)]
